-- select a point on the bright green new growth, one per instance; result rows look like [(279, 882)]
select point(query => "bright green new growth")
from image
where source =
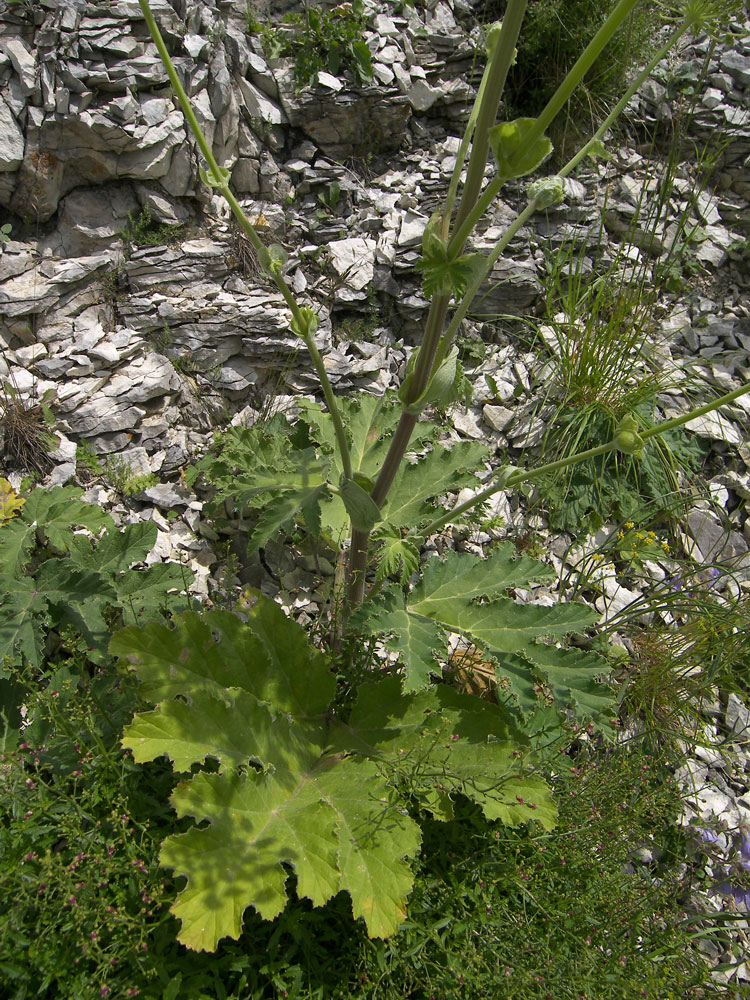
[(296, 788)]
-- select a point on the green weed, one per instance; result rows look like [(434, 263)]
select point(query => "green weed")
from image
[(144, 231), (319, 39)]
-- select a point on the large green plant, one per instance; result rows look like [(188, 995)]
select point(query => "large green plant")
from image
[(283, 772)]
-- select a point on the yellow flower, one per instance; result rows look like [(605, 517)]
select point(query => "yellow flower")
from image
[(620, 534), (665, 546), (630, 525)]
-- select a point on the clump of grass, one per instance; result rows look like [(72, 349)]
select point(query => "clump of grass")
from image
[(601, 332), (677, 666), (26, 431)]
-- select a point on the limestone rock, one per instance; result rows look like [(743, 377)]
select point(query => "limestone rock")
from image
[(11, 139)]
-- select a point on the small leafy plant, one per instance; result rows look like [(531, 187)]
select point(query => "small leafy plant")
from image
[(143, 230), (289, 771), (319, 39)]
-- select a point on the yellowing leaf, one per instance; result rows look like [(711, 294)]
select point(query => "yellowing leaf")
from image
[(10, 502)]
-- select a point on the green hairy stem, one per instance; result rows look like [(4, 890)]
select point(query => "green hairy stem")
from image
[(518, 476)]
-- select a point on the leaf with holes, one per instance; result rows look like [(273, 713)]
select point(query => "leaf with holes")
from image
[(294, 787)]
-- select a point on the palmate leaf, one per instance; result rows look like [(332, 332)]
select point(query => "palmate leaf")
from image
[(61, 593), (463, 594), (332, 817), (283, 495), (294, 789), (77, 597), (417, 640), (50, 514), (442, 742), (441, 470), (58, 511), (263, 447), (332, 822), (268, 656), (398, 556), (115, 551), (21, 630), (17, 539), (369, 423)]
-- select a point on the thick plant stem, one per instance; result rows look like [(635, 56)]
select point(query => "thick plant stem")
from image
[(580, 68), (500, 62), (221, 183), (553, 107), (397, 449), (494, 187)]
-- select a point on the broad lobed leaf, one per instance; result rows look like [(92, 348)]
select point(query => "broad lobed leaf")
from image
[(268, 656), (463, 594), (294, 789)]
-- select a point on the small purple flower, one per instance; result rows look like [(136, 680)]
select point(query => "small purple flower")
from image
[(739, 893), (710, 835)]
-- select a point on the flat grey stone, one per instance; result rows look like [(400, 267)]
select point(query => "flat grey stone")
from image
[(422, 95), (498, 417), (353, 260), (12, 142), (24, 64)]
